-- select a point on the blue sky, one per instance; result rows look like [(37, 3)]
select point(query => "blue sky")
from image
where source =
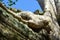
[(26, 5)]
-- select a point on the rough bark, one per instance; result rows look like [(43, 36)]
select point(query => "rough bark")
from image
[(13, 28), (23, 25), (51, 8), (57, 3)]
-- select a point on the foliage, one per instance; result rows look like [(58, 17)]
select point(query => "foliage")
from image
[(9, 2)]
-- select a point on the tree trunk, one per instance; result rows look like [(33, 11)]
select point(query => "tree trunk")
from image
[(51, 8), (44, 27)]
